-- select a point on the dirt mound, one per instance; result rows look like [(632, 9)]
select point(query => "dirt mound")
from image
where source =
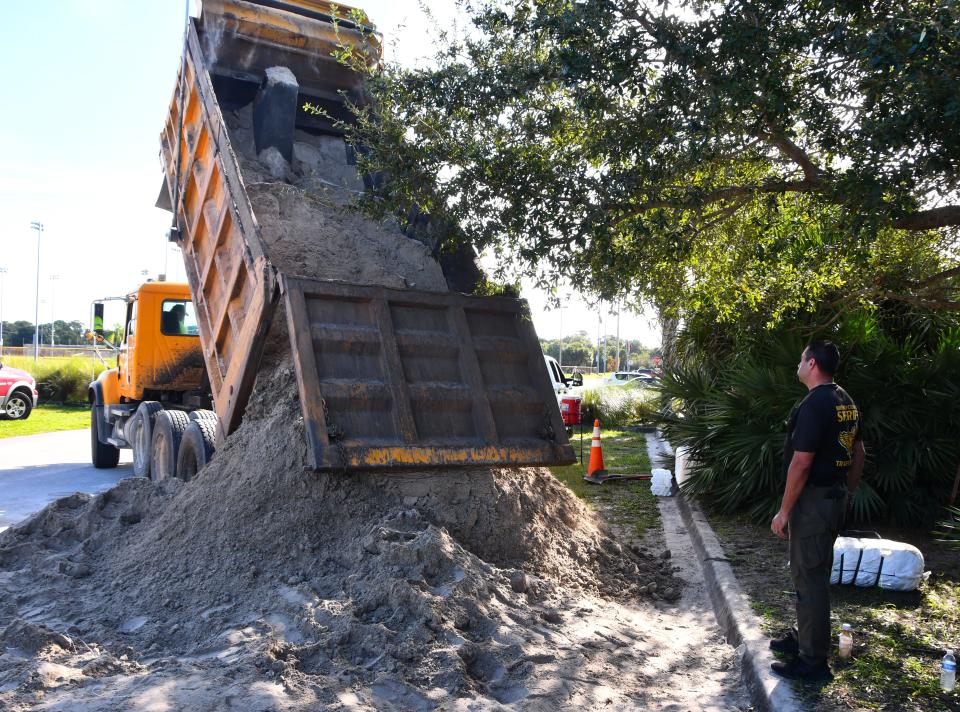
[(268, 585), (411, 588)]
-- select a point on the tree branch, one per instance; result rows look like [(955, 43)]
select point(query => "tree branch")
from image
[(729, 193), (811, 171), (937, 304), (946, 216), (939, 277)]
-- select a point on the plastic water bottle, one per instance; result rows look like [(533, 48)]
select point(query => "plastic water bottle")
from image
[(948, 672), (846, 640)]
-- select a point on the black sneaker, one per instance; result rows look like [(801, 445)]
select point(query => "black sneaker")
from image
[(799, 670), (787, 645)]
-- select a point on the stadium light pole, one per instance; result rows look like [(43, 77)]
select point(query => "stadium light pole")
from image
[(3, 271), (38, 226)]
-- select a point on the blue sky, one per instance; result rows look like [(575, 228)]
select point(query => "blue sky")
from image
[(86, 88)]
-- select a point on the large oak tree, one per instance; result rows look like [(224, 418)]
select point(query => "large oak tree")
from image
[(778, 149)]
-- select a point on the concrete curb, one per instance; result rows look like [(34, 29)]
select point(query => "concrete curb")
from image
[(737, 621)]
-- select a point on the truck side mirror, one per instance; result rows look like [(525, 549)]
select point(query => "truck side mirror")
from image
[(98, 319), (577, 379)]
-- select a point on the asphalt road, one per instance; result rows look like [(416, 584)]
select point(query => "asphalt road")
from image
[(37, 469)]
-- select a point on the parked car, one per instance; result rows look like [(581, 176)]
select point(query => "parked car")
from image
[(18, 393), (641, 376)]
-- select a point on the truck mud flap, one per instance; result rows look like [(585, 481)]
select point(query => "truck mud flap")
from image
[(401, 378)]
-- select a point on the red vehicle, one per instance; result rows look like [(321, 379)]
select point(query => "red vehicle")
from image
[(18, 393)]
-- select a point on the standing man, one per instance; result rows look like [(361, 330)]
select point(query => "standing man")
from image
[(823, 461)]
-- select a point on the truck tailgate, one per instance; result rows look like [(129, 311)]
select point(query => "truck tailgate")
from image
[(404, 378)]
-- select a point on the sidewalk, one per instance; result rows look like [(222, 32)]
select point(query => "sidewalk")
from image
[(731, 606)]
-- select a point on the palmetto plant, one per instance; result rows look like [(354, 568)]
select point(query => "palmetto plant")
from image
[(949, 529), (729, 404)]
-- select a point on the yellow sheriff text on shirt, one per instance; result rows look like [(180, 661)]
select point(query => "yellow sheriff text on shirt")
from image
[(847, 413)]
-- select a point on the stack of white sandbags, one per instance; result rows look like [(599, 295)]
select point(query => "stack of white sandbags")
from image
[(891, 565)]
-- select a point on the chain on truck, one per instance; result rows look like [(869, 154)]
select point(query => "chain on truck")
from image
[(387, 378)]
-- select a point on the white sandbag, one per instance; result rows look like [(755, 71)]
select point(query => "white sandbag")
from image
[(661, 482), (891, 565)]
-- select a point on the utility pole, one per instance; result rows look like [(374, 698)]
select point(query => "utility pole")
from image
[(618, 335), (599, 324), (53, 321), (3, 271), (561, 336), (38, 226)]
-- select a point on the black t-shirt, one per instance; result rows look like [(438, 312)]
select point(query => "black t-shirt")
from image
[(827, 422)]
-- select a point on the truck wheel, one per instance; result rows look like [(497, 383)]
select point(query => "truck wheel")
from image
[(103, 455), (196, 448), (18, 406), (141, 436), (203, 415), (168, 430)]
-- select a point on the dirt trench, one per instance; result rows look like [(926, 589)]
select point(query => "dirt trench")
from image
[(262, 584)]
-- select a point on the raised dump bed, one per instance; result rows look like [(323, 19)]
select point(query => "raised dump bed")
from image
[(387, 377)]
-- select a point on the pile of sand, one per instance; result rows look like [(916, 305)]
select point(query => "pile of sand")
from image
[(402, 589), (264, 585)]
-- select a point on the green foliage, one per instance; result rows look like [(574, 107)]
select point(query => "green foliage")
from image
[(739, 158), (620, 406), (59, 379), (729, 403), (20, 333), (949, 529)]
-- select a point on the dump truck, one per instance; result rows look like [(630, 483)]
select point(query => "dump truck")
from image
[(387, 377)]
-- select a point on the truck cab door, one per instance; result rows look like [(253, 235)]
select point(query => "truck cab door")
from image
[(179, 362), (125, 358)]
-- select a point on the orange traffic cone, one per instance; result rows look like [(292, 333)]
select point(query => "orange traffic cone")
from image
[(596, 472)]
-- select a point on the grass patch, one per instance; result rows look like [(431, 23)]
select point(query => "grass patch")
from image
[(899, 637), (620, 406), (47, 418), (631, 503)]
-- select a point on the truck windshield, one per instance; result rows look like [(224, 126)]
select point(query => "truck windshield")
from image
[(177, 318)]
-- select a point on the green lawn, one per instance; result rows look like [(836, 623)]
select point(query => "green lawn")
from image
[(624, 452), (899, 637), (47, 418)]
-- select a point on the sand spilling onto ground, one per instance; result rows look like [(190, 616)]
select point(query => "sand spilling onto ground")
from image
[(262, 584), (397, 589)]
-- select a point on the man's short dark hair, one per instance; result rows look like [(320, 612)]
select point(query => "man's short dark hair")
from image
[(826, 354)]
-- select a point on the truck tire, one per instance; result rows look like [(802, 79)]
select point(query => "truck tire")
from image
[(168, 430), (203, 415), (196, 448), (103, 455), (141, 436)]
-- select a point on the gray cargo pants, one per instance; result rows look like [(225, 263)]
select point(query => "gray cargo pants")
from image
[(813, 525)]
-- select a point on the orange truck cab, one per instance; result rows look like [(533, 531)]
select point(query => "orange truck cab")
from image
[(160, 367)]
